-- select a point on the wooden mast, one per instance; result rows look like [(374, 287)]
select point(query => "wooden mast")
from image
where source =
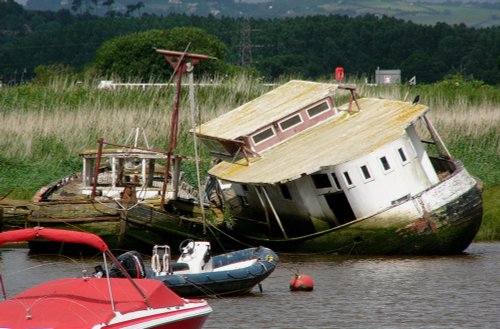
[(180, 62)]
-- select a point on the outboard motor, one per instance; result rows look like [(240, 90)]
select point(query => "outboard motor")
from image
[(132, 262)]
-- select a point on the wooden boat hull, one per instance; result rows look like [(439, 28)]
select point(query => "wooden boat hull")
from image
[(12, 214), (148, 225), (138, 228), (59, 206), (45, 212), (85, 216), (225, 282), (442, 220)]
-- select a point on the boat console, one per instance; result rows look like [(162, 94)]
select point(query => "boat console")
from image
[(195, 257)]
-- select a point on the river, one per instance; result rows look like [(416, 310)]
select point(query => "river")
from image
[(349, 292)]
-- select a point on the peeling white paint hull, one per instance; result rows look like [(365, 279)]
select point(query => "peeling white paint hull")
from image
[(441, 220)]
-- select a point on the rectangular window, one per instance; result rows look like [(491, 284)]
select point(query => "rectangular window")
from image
[(336, 181), (263, 135), (321, 181), (290, 122), (366, 172), (318, 109), (385, 163), (285, 192), (402, 155), (347, 178)]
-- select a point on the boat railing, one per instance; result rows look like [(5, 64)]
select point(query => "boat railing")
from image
[(66, 236)]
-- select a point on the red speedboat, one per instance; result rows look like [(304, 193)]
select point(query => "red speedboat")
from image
[(96, 302)]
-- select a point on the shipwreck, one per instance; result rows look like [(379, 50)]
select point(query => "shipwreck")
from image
[(305, 168)]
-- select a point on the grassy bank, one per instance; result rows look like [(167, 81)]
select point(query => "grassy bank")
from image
[(45, 126)]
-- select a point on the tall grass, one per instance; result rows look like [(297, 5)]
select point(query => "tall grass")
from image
[(51, 123), (44, 127)]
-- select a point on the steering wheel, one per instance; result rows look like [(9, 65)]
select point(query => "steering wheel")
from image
[(184, 245)]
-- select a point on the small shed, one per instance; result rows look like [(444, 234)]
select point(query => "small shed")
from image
[(387, 77)]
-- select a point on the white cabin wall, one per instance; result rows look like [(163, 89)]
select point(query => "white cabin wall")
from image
[(298, 208), (306, 195), (384, 188), (405, 178), (88, 172), (285, 207)]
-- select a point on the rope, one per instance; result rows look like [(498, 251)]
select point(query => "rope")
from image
[(216, 238), (166, 262), (206, 291), (155, 263), (229, 236)]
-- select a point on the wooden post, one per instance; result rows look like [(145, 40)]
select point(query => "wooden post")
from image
[(98, 164), (437, 139), (275, 213), (1, 218), (180, 65), (265, 209), (151, 174), (176, 175)]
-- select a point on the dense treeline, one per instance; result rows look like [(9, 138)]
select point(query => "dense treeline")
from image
[(310, 47), (478, 13)]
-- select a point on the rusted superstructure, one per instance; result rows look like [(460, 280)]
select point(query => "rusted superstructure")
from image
[(122, 187)]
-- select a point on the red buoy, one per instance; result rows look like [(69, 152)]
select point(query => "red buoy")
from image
[(301, 282)]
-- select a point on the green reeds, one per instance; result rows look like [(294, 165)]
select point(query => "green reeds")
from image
[(44, 127)]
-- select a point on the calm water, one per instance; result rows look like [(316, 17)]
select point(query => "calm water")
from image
[(370, 292)]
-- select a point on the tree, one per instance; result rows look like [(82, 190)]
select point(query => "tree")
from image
[(47, 73), (281, 65), (136, 7), (424, 66), (133, 56), (109, 4), (96, 5), (76, 5)]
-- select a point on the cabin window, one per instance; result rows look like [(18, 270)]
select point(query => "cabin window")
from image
[(385, 163), (290, 122), (318, 109), (263, 135), (336, 181), (402, 155), (285, 192), (347, 178), (366, 172), (321, 181)]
